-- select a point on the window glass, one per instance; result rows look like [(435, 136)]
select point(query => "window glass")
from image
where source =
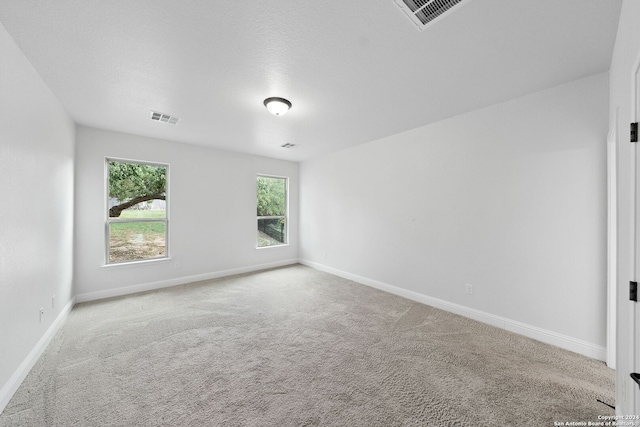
[(272, 210), (137, 222)]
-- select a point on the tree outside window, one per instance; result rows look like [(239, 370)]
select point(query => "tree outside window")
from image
[(137, 222), (272, 210)]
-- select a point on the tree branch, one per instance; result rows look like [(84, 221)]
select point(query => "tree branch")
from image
[(115, 211)]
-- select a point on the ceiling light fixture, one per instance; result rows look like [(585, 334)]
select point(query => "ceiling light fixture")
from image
[(277, 106)]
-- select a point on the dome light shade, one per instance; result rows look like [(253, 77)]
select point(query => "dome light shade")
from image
[(277, 106)]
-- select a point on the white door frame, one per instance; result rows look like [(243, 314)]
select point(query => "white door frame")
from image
[(612, 239), (635, 308)]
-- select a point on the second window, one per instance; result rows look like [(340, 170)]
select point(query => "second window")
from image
[(272, 210)]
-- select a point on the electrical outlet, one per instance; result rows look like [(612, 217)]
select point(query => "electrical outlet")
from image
[(468, 289), (53, 301), (41, 314)]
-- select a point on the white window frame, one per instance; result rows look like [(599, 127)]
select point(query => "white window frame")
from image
[(286, 210), (109, 220)]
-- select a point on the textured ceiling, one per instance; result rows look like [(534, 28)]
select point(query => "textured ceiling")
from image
[(355, 71)]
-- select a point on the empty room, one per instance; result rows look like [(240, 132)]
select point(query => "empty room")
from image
[(376, 213)]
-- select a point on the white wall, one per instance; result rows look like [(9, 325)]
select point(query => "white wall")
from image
[(36, 213), (510, 198), (212, 213), (626, 54)]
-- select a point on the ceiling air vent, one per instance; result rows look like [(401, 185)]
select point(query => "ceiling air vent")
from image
[(165, 118), (426, 12)]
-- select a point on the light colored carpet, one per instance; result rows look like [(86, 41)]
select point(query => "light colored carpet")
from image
[(297, 347)]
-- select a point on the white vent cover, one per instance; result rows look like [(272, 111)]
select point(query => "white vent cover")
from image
[(426, 12), (165, 118)]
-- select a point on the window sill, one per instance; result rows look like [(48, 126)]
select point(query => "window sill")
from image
[(286, 245), (135, 263)]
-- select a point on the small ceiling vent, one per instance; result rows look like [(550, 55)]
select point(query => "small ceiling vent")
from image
[(287, 145), (165, 118), (426, 12)]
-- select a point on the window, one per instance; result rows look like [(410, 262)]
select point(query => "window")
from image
[(137, 224), (272, 210)]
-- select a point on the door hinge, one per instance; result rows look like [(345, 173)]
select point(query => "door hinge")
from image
[(634, 132), (636, 377), (633, 291)]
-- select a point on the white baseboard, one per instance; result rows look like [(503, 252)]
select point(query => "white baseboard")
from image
[(563, 341), (20, 374), (126, 290)]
